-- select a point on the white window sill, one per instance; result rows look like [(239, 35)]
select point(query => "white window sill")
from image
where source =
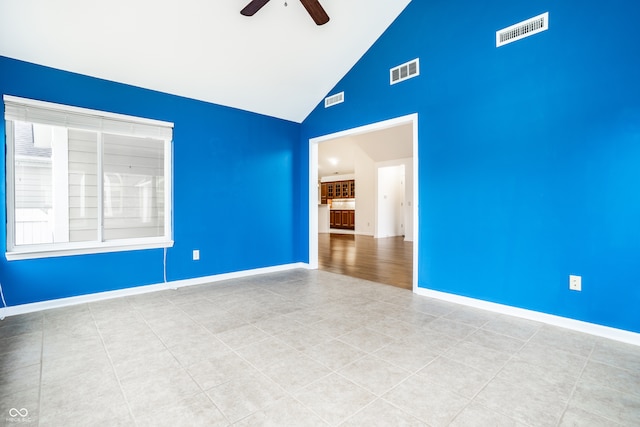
[(32, 253)]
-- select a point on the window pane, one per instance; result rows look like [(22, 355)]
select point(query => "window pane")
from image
[(83, 186), (40, 184), (77, 182), (133, 187)]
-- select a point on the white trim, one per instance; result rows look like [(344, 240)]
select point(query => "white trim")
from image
[(10, 177), (416, 203), (168, 189), (313, 203), (313, 183), (113, 246), (550, 319), (138, 290)]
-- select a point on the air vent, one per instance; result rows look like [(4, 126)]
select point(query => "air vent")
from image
[(405, 71), (523, 29), (334, 99)]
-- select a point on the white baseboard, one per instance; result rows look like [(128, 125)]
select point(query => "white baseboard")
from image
[(563, 322), (550, 319), (100, 296)]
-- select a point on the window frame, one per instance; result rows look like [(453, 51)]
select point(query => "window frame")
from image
[(34, 251)]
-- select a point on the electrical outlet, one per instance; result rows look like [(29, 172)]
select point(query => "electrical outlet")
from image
[(575, 282), (196, 254)]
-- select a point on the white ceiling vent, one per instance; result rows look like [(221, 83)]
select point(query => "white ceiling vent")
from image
[(523, 29), (405, 71), (334, 99)]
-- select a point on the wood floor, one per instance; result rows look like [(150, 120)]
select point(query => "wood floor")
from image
[(387, 260)]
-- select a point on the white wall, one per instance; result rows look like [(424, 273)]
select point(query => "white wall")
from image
[(390, 201), (323, 219), (408, 192), (365, 177)]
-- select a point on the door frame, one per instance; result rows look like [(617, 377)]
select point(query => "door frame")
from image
[(313, 183)]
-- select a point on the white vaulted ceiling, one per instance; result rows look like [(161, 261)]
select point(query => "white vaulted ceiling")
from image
[(277, 63)]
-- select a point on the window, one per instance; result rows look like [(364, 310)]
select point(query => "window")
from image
[(84, 181)]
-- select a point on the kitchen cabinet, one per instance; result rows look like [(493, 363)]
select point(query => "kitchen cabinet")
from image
[(342, 219), (331, 190), (345, 219), (337, 190), (345, 189)]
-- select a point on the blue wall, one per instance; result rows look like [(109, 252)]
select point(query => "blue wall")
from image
[(231, 168), (529, 162), (529, 154)]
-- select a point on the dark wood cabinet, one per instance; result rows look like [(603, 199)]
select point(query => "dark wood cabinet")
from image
[(323, 193), (337, 190), (345, 189), (343, 219), (330, 190)]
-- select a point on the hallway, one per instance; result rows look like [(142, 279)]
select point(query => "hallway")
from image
[(386, 260)]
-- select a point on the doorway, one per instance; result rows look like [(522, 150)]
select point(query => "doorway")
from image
[(390, 213), (410, 234)]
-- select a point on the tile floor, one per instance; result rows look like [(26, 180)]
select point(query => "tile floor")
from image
[(306, 348)]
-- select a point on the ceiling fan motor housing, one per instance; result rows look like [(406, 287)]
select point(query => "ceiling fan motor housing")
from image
[(313, 7)]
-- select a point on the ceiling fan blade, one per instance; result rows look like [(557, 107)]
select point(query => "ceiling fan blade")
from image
[(253, 7), (316, 11)]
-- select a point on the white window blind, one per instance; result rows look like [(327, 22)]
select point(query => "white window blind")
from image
[(84, 181), (26, 110), (133, 187)]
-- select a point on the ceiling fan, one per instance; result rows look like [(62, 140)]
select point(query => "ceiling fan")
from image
[(314, 8)]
